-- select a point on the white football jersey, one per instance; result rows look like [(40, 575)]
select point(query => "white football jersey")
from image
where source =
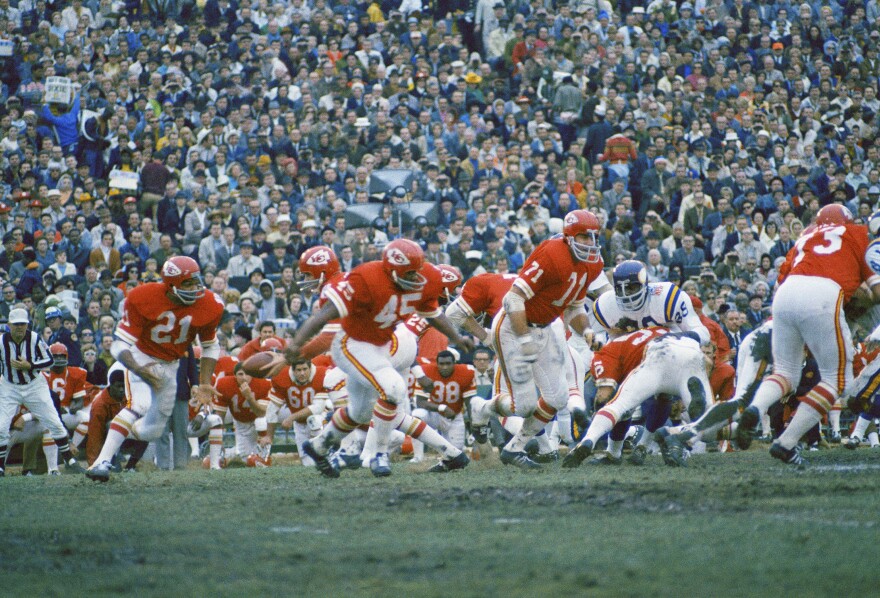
[(666, 305), (872, 256)]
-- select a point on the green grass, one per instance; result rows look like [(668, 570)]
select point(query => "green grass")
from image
[(728, 525)]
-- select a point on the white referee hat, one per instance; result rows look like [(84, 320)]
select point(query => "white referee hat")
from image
[(18, 316)]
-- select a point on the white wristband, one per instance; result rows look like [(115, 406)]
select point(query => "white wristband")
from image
[(526, 338), (442, 409)]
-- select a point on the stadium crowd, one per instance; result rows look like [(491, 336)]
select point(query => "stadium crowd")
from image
[(705, 136)]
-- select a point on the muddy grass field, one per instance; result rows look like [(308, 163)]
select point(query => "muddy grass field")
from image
[(727, 525)]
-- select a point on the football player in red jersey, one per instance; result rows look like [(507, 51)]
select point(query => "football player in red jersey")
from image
[(370, 301), (453, 388), (69, 383), (827, 266), (646, 364), (318, 267), (109, 402), (252, 347), (299, 397), (160, 321), (553, 283), (246, 399)]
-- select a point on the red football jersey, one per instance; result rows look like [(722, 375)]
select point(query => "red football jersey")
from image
[(453, 390), (164, 329), (622, 355), (722, 382), (716, 333), (483, 294), (69, 384), (553, 280), (371, 305), (832, 251), (287, 391), (232, 399), (863, 357), (225, 367), (254, 346)]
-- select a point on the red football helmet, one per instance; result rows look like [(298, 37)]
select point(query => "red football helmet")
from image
[(272, 344), (319, 263), (582, 222), (834, 214), (451, 279), (59, 354), (178, 270), (401, 257)]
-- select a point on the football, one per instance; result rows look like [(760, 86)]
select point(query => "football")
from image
[(260, 365)]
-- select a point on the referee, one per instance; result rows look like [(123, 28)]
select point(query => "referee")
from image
[(22, 355)]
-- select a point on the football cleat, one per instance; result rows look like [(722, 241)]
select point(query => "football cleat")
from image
[(698, 398), (54, 472), (2, 472), (790, 456), (519, 459), (341, 460), (745, 431), (638, 455), (73, 467), (99, 472), (29, 474), (581, 451), (671, 448), (321, 462), (380, 465), (852, 443), (835, 438), (550, 457), (605, 458), (460, 461)]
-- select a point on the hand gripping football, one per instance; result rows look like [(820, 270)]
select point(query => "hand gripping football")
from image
[(263, 365)]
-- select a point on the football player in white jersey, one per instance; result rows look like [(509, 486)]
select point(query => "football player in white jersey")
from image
[(637, 303)]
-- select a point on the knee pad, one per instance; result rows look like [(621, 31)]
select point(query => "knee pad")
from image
[(261, 425), (395, 388), (213, 420), (70, 420), (148, 430), (420, 413)]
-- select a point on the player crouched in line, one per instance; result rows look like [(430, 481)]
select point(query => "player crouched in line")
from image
[(453, 388), (159, 324), (865, 398), (69, 383), (105, 406), (299, 398)]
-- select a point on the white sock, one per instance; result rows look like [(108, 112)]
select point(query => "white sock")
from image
[(834, 418), (194, 447), (563, 426), (860, 428), (770, 391), (79, 434), (544, 445), (50, 449), (804, 418), (873, 439), (766, 429), (615, 447), (120, 429), (418, 450), (600, 426), (215, 444)]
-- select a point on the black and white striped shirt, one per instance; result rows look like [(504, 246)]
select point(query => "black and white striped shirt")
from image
[(32, 349)]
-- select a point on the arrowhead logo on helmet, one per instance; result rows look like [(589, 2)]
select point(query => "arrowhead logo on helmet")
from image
[(449, 276), (171, 269), (571, 218), (319, 258), (395, 256)]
